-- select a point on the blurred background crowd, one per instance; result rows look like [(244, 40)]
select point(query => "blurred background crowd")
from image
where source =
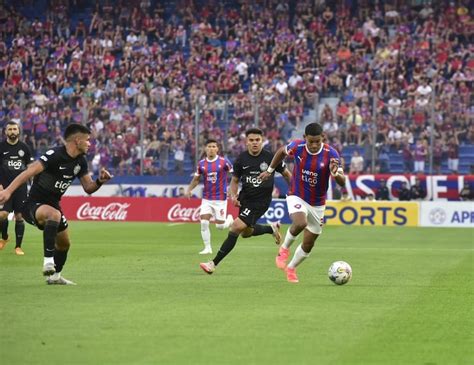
[(390, 81)]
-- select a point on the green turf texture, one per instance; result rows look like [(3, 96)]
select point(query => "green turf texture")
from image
[(141, 298)]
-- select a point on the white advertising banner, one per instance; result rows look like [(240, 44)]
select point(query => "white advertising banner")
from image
[(447, 214)]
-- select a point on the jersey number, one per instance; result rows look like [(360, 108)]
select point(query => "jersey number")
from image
[(246, 212)]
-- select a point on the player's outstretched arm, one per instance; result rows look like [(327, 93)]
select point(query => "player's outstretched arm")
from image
[(280, 154), (33, 169), (90, 186)]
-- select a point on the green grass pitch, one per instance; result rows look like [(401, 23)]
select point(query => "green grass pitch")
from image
[(142, 299)]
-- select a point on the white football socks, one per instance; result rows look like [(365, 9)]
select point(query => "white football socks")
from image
[(289, 239), (48, 260), (298, 257), (206, 234)]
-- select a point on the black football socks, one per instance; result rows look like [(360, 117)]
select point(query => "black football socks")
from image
[(4, 229), (260, 229), (19, 231), (226, 247), (60, 258), (49, 237)]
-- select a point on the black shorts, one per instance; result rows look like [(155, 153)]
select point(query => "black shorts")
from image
[(29, 215), (251, 213), (15, 203)]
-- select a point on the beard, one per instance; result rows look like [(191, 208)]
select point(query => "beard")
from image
[(13, 137)]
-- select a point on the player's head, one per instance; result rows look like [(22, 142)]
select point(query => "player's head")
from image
[(211, 148), (78, 136), (313, 135), (12, 132), (254, 140)]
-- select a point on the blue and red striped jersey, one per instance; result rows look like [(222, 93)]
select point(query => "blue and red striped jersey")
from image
[(311, 172), (215, 177)]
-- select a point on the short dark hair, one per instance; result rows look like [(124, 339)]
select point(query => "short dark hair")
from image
[(74, 128), (11, 122), (211, 140), (313, 129), (253, 131)]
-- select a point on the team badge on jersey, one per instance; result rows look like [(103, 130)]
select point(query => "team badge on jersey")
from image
[(263, 166), (76, 170), (21, 153)]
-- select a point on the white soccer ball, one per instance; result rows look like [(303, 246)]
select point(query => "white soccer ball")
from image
[(340, 272)]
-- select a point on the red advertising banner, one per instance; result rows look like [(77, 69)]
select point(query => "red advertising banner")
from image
[(134, 209)]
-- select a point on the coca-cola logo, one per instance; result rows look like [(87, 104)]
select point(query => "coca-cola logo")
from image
[(184, 214), (110, 212)]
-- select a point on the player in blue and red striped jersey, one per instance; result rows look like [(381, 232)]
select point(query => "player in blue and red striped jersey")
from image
[(215, 170), (315, 162)]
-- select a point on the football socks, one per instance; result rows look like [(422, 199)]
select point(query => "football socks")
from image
[(260, 229), (49, 237), (298, 257), (19, 231), (4, 229), (206, 233), (289, 239), (226, 247), (60, 258)]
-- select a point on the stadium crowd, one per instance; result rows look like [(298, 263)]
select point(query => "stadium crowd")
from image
[(111, 64)]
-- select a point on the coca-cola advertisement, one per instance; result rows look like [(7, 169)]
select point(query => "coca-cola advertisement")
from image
[(134, 209)]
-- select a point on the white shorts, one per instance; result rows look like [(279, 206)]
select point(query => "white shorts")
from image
[(314, 215), (216, 208)]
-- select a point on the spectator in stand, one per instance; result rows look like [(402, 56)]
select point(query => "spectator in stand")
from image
[(357, 163), (466, 193), (419, 156), (453, 153), (404, 192), (416, 191), (322, 63), (382, 191)]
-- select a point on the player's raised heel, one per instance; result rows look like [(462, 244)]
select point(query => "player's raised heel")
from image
[(282, 257), (48, 269), (276, 232), (291, 275), (208, 267)]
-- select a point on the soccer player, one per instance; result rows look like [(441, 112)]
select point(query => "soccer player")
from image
[(315, 161), (214, 169), (254, 197), (14, 157), (53, 174)]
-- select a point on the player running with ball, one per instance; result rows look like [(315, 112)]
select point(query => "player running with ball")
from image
[(315, 161)]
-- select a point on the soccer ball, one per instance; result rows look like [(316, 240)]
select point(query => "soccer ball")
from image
[(340, 272)]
